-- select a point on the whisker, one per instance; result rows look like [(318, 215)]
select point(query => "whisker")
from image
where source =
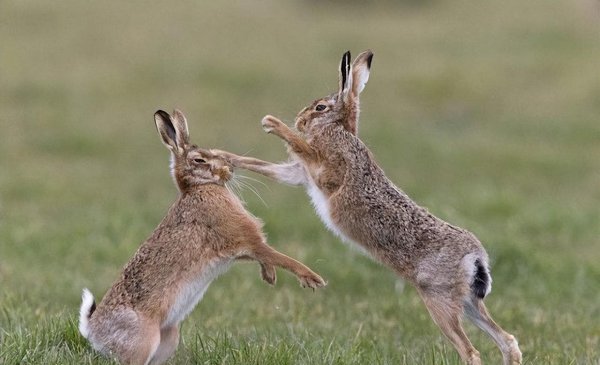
[(253, 190), (255, 180), (240, 190), (246, 153), (234, 188)]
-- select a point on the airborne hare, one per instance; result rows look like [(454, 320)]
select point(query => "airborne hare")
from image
[(204, 232), (351, 194)]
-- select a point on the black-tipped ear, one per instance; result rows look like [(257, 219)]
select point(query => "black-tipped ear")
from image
[(344, 72), (345, 68), (165, 129)]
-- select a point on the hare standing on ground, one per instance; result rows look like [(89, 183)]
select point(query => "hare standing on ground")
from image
[(350, 192), (204, 232)]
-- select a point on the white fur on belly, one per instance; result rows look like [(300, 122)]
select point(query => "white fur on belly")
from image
[(321, 204), (192, 292)]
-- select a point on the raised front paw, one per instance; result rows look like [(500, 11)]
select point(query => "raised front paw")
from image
[(268, 274), (311, 280), (270, 123)]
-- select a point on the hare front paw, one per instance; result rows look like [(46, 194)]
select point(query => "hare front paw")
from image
[(270, 123), (311, 280), (268, 274)]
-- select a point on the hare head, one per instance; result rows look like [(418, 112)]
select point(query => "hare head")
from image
[(190, 165), (343, 106)]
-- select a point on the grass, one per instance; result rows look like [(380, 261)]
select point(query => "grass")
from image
[(486, 113)]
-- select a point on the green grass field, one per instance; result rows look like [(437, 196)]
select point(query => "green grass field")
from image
[(488, 113)]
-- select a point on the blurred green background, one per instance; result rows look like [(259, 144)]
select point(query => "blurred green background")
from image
[(485, 112)]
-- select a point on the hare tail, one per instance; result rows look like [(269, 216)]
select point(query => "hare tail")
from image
[(88, 306), (481, 284)]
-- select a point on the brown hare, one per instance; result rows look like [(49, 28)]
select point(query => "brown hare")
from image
[(350, 192), (204, 232)]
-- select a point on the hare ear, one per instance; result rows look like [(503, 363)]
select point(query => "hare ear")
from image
[(345, 75), (166, 130), (181, 127), (361, 68)]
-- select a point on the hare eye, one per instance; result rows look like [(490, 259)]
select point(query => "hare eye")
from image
[(199, 160), (320, 107)]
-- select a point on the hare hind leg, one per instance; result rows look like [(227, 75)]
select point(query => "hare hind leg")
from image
[(124, 334), (139, 347), (169, 339), (447, 314), (477, 312)]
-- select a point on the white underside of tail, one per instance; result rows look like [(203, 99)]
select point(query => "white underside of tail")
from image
[(87, 300)]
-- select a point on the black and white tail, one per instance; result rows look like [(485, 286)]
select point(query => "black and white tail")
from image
[(88, 306), (482, 281)]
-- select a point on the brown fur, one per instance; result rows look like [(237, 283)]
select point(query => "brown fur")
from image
[(206, 228), (363, 206)]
